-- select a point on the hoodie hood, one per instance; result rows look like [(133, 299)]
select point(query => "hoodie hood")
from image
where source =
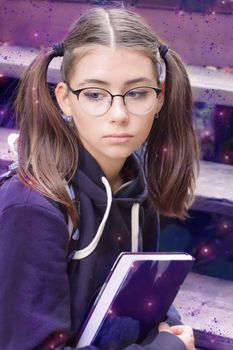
[(96, 187), (89, 177)]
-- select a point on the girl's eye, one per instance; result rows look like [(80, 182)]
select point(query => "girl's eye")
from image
[(137, 93), (94, 95)]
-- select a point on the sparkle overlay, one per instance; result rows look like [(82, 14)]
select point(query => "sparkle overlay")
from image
[(207, 236)]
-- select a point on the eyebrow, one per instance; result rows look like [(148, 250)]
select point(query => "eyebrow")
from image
[(128, 82)]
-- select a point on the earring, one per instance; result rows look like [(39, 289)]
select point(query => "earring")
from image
[(157, 115), (67, 118)]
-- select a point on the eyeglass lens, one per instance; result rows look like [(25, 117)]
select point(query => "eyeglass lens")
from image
[(97, 101)]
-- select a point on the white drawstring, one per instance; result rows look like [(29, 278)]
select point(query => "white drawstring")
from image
[(70, 191), (80, 254), (134, 227)]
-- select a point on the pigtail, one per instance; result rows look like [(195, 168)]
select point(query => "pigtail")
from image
[(48, 147), (172, 151)]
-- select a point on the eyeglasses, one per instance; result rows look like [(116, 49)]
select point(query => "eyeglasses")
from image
[(96, 102)]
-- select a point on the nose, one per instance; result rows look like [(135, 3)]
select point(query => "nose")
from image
[(118, 112)]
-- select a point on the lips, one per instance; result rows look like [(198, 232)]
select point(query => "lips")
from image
[(118, 135), (118, 138)]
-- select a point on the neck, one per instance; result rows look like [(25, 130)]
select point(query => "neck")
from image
[(112, 171), (112, 168)]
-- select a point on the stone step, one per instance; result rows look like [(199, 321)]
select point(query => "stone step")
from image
[(206, 304), (215, 188)]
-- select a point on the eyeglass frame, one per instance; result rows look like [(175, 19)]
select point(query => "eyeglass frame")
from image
[(77, 92)]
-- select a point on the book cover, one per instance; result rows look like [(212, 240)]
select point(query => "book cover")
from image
[(134, 299)]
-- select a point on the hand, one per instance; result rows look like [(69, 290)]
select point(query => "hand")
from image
[(185, 333)]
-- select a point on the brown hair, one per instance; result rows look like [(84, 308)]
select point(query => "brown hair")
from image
[(49, 147)]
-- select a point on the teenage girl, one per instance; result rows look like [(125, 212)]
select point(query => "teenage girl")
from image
[(97, 163)]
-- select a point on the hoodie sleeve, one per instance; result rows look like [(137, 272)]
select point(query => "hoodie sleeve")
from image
[(34, 293)]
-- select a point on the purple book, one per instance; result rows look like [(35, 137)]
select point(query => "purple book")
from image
[(134, 299)]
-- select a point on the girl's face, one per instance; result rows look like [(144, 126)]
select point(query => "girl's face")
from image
[(118, 133)]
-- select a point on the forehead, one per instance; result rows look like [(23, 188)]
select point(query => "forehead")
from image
[(114, 65)]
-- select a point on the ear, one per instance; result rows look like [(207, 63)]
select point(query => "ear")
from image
[(160, 102), (62, 96)]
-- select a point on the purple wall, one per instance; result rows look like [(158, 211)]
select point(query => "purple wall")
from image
[(200, 39)]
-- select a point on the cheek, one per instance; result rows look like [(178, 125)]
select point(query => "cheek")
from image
[(88, 128), (147, 125), (81, 121), (144, 129)]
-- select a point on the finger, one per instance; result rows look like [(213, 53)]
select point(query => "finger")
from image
[(164, 327), (179, 329)]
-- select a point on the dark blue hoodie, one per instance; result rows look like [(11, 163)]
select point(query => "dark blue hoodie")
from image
[(48, 282)]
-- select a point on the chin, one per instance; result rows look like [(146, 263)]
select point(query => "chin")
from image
[(119, 154)]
